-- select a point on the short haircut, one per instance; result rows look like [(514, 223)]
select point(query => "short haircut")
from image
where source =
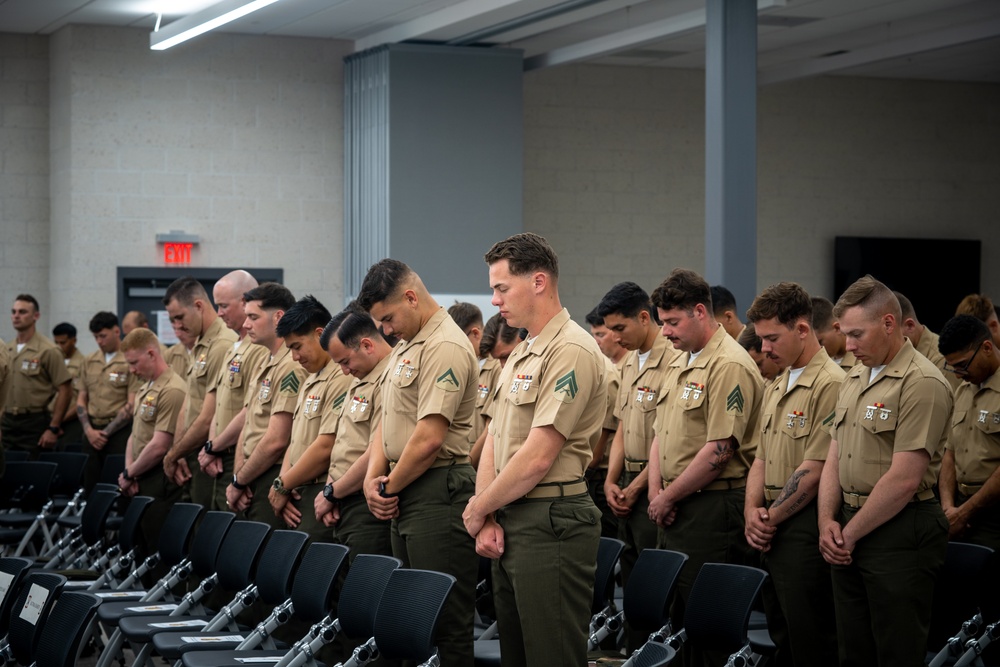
[(103, 320), (962, 332), (64, 329), (871, 295), (349, 326), (525, 253), (822, 313), (139, 339), (140, 318), (29, 299), (786, 302), (186, 290), (496, 329), (749, 340), (626, 299), (977, 305), (382, 282), (272, 296), (593, 319), (304, 316), (722, 300), (466, 315), (905, 306), (683, 289)]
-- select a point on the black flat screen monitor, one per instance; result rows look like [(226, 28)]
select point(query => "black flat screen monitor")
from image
[(934, 274)]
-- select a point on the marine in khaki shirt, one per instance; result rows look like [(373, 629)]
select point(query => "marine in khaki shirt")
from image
[(38, 373), (880, 526), (779, 508), (419, 472), (924, 340)]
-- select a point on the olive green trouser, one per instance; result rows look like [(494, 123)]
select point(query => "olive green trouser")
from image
[(21, 432), (543, 585), (201, 486), (883, 598), (429, 534), (595, 486), (164, 494), (116, 444), (260, 507), (638, 532)]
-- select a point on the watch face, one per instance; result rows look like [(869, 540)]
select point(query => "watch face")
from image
[(328, 492), (276, 483)]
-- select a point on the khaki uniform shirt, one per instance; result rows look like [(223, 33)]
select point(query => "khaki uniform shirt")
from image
[(928, 346), (715, 398), (4, 372), (242, 361), (359, 418), (157, 406), (108, 384), (275, 389), (37, 372), (795, 423), (74, 365), (559, 380), (321, 400), (207, 359), (637, 399), (847, 361), (975, 431), (905, 409), (178, 358), (433, 374), (489, 375)]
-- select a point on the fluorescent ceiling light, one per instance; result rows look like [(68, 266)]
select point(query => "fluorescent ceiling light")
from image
[(217, 15)]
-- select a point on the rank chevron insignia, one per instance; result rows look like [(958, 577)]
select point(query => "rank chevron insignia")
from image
[(829, 420), (290, 383), (566, 387), (447, 381), (734, 402), (339, 401)]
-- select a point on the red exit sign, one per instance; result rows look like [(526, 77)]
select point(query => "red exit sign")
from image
[(177, 253)]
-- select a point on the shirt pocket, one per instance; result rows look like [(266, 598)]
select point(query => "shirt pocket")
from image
[(404, 380), (521, 411), (358, 412), (988, 423)]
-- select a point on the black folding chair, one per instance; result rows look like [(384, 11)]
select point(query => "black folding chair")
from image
[(67, 486), (648, 594), (12, 573), (653, 654), (82, 546), (408, 614), (959, 591), (66, 630), (36, 597), (25, 497), (606, 620)]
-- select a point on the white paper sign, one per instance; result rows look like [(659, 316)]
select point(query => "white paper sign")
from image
[(120, 594), (5, 581), (194, 623), (258, 659), (212, 640), (164, 329), (37, 595), (153, 607)]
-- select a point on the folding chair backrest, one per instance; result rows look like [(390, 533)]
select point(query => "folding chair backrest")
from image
[(718, 608), (653, 655), (69, 471), (66, 629), (650, 587), (208, 540), (113, 465), (315, 580), (95, 515), (12, 572), (12, 455), (129, 531), (237, 560), (608, 553), (176, 532), (362, 590), (38, 592), (26, 485), (278, 564), (408, 613), (959, 589)]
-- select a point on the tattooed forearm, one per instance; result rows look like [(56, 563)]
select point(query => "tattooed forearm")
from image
[(81, 415), (724, 450), (790, 489), (123, 417)]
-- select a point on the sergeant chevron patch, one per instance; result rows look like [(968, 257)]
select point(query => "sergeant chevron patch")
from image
[(289, 383), (734, 402)]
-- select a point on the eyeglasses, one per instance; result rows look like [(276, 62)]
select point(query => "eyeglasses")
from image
[(963, 368)]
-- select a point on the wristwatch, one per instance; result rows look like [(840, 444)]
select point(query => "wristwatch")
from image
[(208, 449), (279, 486), (328, 494), (237, 485), (55, 429), (127, 477)]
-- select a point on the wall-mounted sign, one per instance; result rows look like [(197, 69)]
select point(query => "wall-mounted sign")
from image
[(177, 246)]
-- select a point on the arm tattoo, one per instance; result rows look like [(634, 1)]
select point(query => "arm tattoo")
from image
[(82, 417), (791, 487), (724, 450), (123, 417)]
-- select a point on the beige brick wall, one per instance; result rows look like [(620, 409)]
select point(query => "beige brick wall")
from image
[(24, 173), (236, 139), (614, 172)]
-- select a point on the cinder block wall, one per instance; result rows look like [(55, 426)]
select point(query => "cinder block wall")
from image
[(614, 172), (24, 172), (237, 139)]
